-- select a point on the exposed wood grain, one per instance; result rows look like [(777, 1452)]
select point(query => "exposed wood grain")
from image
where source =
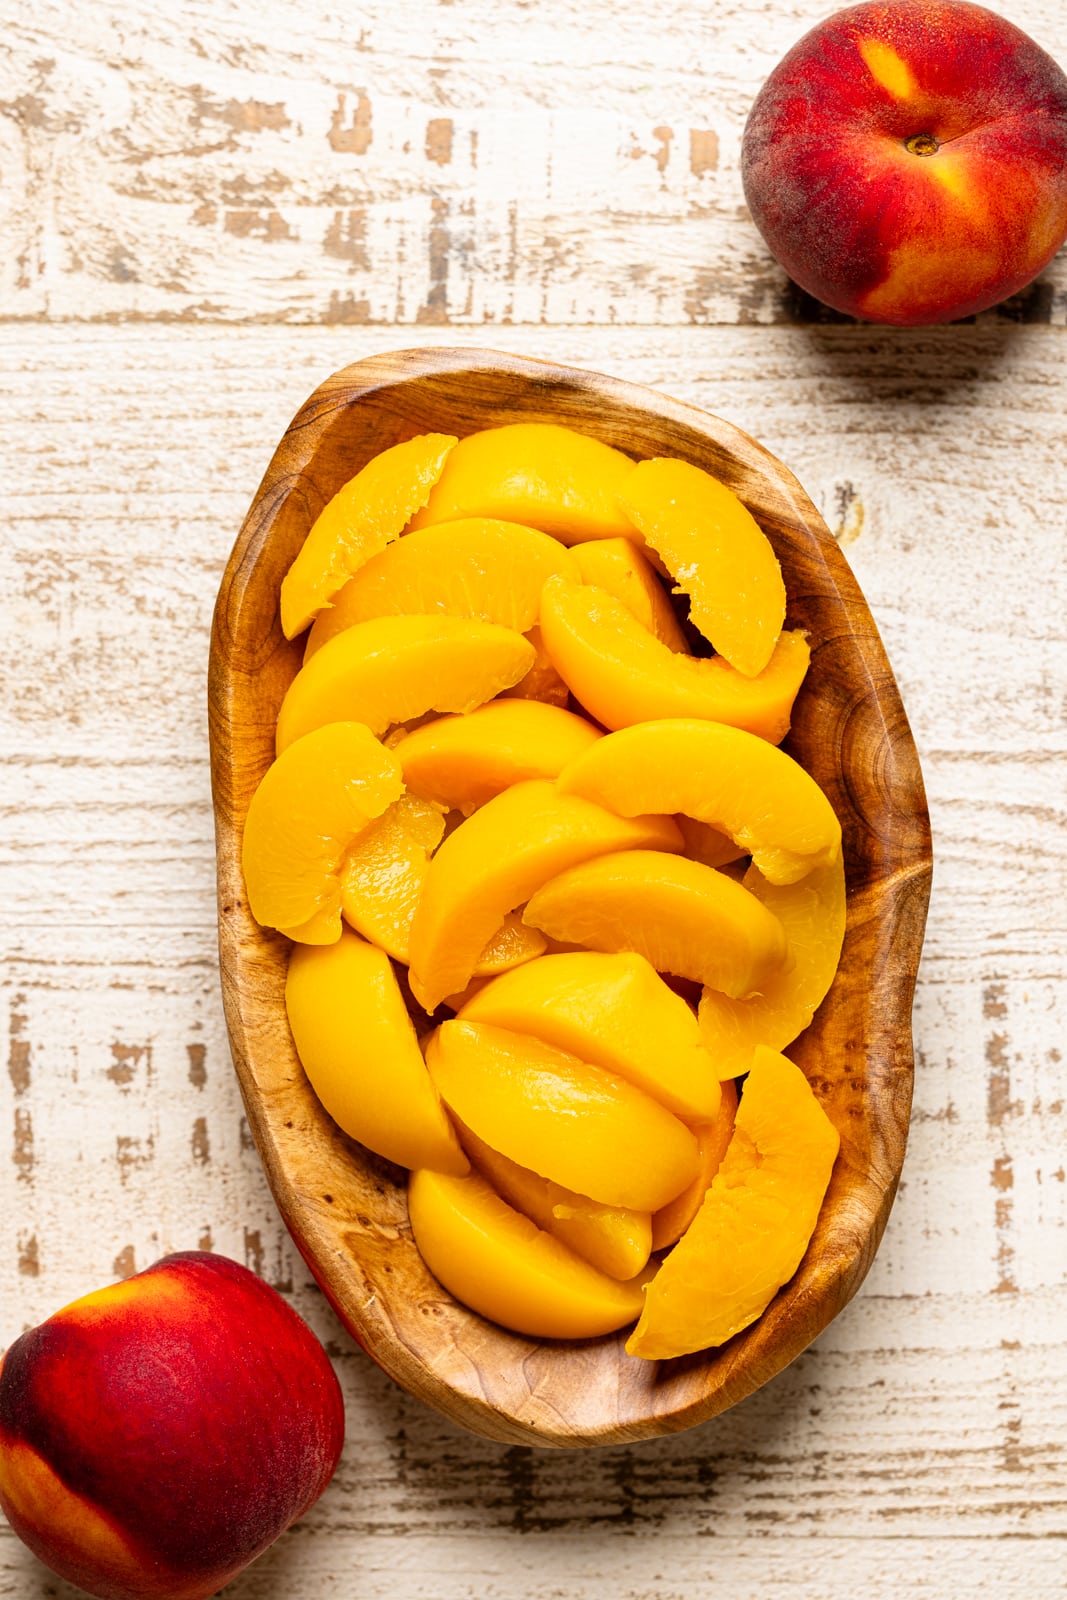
[(471, 163), (920, 1442)]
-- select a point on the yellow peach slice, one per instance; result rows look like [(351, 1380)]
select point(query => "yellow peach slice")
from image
[(394, 668), (615, 1012), (713, 1138), (683, 917), (622, 674), (741, 785), (478, 568), (610, 1238), (357, 1045), (501, 1265), (717, 554), (812, 913), (512, 944), (542, 682), (564, 1119), (495, 860), (536, 473), (708, 845), (363, 516), (310, 806), (618, 566), (750, 1234), (461, 762), (383, 872)]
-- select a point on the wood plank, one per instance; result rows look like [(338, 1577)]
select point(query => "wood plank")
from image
[(921, 1439), (429, 164)]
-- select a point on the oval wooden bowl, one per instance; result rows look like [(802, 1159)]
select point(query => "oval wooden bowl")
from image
[(345, 1208)]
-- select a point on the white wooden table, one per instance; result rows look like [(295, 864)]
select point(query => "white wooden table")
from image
[(207, 207)]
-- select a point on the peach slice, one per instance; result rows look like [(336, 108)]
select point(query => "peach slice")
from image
[(564, 1119), (812, 912), (392, 669), (461, 762), (501, 1265), (542, 682), (752, 1230), (363, 516), (618, 566), (716, 552), (741, 785), (384, 869), (310, 806), (495, 860), (622, 674), (610, 1238), (512, 944), (712, 1138), (356, 1043), (708, 845), (536, 473), (479, 568), (615, 1012), (683, 917)]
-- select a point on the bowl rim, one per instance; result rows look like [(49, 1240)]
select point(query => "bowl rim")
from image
[(887, 907)]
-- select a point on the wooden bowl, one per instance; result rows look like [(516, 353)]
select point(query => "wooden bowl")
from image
[(345, 1208)]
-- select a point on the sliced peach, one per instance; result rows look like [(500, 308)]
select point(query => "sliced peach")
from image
[(312, 803), (537, 473), (357, 1045), (501, 1265), (741, 785), (461, 762), (615, 1012), (564, 1119), (683, 917), (622, 674), (812, 913), (394, 668), (669, 1223), (363, 516), (752, 1230), (610, 1238), (542, 682), (708, 845), (618, 566), (511, 945), (495, 860), (478, 568), (717, 554), (383, 872)]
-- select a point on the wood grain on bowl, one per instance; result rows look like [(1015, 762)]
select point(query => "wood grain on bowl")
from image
[(345, 1208)]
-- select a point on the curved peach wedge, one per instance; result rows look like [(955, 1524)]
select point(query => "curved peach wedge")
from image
[(503, 1266), (744, 787), (511, 945), (713, 1139), (684, 918), (537, 473), (461, 762), (478, 568), (384, 869), (310, 806), (716, 552), (622, 674), (812, 912), (610, 1238), (542, 682), (495, 860), (618, 566), (392, 669), (363, 516), (752, 1230), (564, 1119), (615, 1012), (356, 1043)]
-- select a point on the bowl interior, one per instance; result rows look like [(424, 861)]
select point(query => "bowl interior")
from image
[(345, 1208)]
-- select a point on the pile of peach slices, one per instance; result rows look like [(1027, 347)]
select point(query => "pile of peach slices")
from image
[(508, 795)]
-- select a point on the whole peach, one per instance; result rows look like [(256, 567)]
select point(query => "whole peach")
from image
[(158, 1435), (907, 161)]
